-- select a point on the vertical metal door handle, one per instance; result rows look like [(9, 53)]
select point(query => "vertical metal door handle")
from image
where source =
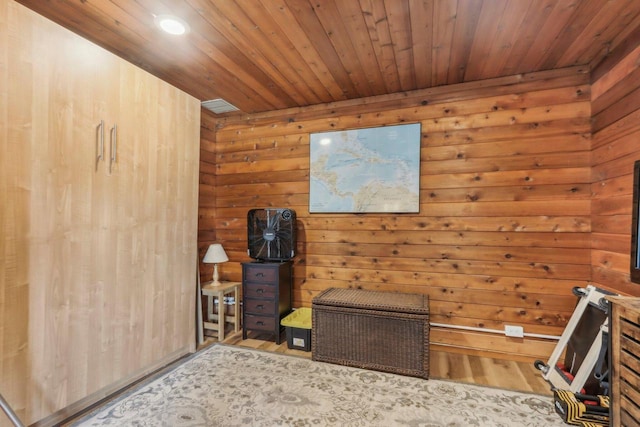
[(100, 142), (114, 146)]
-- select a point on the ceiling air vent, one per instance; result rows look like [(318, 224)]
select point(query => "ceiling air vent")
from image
[(219, 106)]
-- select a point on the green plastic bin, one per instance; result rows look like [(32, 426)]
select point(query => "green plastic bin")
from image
[(298, 329)]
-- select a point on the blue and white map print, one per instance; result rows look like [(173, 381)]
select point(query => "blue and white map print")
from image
[(365, 170)]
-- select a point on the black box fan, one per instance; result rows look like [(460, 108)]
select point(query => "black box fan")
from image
[(271, 234)]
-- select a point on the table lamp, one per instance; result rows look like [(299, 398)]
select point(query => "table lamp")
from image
[(215, 255)]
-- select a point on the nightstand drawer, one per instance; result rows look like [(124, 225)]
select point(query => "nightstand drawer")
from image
[(260, 273), (258, 306), (261, 323), (258, 290)]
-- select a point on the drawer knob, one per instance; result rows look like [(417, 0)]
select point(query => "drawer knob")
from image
[(260, 306), (259, 274), (260, 291), (260, 322)]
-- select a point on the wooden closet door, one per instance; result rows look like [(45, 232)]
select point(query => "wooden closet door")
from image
[(98, 273), (68, 223), (178, 160), (138, 258), (100, 294), (157, 173)]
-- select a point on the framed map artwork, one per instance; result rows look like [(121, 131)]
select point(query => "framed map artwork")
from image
[(365, 170)]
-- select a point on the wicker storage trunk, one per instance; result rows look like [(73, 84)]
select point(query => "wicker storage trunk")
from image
[(384, 331)]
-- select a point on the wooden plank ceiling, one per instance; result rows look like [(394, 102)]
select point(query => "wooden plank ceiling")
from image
[(263, 55)]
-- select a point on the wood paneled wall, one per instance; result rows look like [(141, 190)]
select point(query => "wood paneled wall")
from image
[(616, 146), (503, 232), (207, 201)]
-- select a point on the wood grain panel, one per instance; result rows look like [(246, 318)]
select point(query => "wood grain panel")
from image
[(491, 343), (208, 191), (615, 149), (616, 82), (505, 24), (414, 266), (435, 119), (271, 55), (468, 12), (504, 229), (99, 277), (453, 252), (575, 77), (419, 16), (15, 184)]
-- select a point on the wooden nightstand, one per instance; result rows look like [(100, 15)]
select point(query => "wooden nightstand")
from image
[(266, 294), (216, 322)]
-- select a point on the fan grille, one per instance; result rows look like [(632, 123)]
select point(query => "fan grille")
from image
[(271, 234)]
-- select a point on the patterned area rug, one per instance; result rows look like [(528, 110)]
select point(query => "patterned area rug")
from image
[(231, 386)]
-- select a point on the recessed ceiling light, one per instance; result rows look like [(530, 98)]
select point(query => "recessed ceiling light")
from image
[(171, 24)]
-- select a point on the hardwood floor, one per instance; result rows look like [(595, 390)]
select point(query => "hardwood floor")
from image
[(511, 375)]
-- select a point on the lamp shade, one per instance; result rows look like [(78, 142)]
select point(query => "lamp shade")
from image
[(215, 254)]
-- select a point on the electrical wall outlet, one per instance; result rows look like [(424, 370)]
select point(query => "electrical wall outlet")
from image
[(514, 331)]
